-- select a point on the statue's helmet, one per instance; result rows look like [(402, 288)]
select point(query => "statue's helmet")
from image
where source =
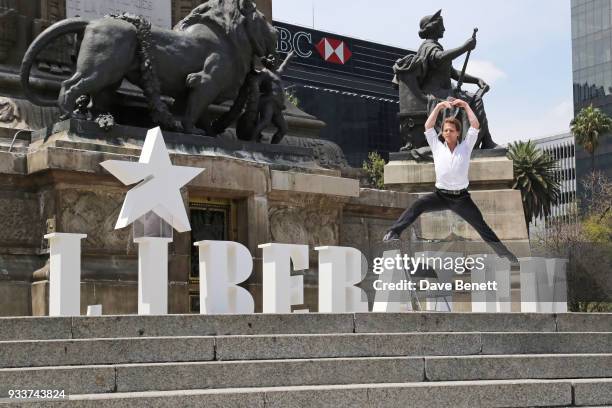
[(428, 24)]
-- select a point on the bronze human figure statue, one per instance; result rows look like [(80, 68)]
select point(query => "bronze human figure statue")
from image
[(271, 100), (424, 79)]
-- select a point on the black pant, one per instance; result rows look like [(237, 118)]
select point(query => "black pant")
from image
[(461, 205)]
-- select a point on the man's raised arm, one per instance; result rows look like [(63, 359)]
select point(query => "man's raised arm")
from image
[(433, 116), (470, 113)]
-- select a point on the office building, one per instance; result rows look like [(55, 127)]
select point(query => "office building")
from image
[(561, 148), (592, 74)]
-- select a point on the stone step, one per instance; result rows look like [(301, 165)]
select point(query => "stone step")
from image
[(298, 372), (460, 394), (31, 353), (42, 328)]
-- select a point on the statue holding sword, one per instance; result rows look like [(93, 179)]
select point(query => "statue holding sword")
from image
[(425, 79)]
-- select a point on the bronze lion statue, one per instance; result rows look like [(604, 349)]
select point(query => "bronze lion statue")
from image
[(204, 59)]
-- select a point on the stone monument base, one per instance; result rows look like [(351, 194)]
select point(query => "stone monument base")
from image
[(491, 177), (53, 182)]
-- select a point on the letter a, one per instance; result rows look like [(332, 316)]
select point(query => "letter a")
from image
[(340, 269)]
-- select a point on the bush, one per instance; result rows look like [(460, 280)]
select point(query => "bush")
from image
[(375, 169)]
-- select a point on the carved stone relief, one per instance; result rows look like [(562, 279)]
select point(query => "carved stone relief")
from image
[(304, 225), (19, 220), (95, 213), (10, 115)]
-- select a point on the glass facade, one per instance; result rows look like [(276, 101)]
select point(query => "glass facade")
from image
[(357, 123), (592, 73), (345, 82)]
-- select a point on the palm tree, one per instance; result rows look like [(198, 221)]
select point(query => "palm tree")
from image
[(587, 126), (534, 175)]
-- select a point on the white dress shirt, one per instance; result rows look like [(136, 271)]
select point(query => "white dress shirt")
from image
[(451, 167)]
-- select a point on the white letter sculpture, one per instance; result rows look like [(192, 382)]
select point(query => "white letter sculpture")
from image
[(387, 301), (497, 270), (340, 269), (543, 285), (280, 289), (158, 190), (64, 274), (223, 265)]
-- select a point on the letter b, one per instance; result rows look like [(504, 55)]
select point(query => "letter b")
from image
[(223, 265)]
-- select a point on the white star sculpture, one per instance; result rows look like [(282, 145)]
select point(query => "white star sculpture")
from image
[(159, 187)]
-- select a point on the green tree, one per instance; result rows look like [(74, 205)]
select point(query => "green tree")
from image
[(588, 126), (375, 169), (292, 97), (534, 176)]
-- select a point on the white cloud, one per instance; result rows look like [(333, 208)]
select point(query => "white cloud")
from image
[(485, 70)]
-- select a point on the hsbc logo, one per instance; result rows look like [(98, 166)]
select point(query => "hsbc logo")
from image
[(300, 42), (333, 50)]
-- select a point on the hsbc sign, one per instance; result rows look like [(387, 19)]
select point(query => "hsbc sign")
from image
[(331, 50)]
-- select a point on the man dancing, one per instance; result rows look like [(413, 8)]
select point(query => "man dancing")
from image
[(452, 162)]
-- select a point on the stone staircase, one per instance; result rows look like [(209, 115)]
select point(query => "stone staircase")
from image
[(311, 360)]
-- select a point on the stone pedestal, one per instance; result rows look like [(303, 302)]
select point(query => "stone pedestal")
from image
[(491, 177)]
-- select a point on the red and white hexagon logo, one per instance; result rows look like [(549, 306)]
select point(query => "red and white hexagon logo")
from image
[(333, 50)]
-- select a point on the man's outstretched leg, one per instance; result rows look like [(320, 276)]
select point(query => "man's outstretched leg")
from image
[(430, 202), (465, 207)]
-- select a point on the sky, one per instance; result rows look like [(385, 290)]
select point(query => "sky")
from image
[(523, 50)]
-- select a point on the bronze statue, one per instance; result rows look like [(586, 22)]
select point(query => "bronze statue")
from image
[(271, 99), (203, 60), (424, 79), (260, 103)]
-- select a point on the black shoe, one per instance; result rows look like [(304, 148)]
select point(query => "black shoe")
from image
[(391, 236)]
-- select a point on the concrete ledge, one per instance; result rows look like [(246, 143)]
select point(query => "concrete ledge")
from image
[(592, 322), (314, 184), (412, 176), (544, 343), (35, 328), (582, 370), (453, 322), (469, 394), (268, 373), (210, 325), (295, 346), (593, 392), (105, 351), (237, 398), (517, 367), (83, 327), (464, 394), (349, 345), (73, 380)]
